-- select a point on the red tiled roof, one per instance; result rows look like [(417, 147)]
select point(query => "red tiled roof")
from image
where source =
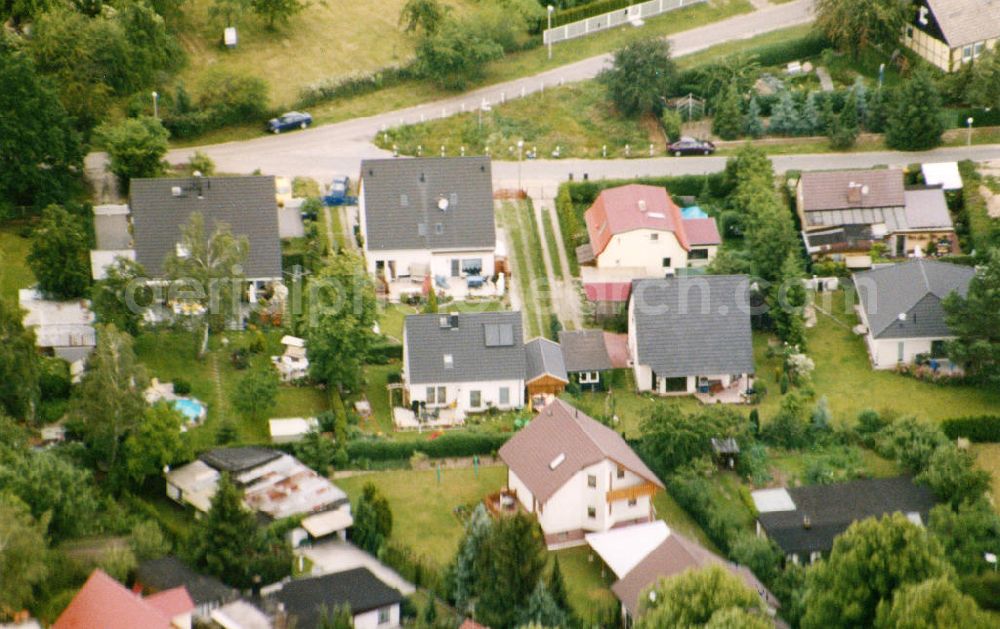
[(105, 603), (618, 210), (172, 602), (608, 291), (702, 231), (562, 430)]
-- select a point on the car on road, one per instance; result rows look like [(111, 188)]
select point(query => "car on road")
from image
[(691, 146), (339, 188), (289, 120)]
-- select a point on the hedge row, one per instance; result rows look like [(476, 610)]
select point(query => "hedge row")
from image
[(454, 444), (382, 353), (582, 12), (356, 85), (982, 429)]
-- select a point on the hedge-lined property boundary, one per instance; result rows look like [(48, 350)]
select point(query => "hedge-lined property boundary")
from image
[(981, 429), (455, 444)]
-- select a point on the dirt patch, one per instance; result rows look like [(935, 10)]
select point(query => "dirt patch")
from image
[(992, 201)]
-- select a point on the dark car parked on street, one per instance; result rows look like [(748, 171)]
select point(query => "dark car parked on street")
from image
[(691, 146), (290, 120)]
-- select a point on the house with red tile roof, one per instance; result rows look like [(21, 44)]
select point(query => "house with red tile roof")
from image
[(105, 603), (639, 227), (577, 476)]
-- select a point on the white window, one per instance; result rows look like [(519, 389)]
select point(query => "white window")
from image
[(449, 361), (966, 54), (815, 556), (504, 396), (590, 377), (591, 480), (430, 395), (475, 399), (384, 615), (978, 49)]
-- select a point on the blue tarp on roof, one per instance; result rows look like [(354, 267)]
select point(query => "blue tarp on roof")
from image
[(693, 212)]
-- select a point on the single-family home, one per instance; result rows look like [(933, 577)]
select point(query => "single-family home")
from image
[(577, 476), (105, 603), (585, 354), (64, 329), (113, 238), (639, 227), (691, 335), (167, 573), (429, 221), (642, 554), (843, 213), (803, 521), (545, 372), (952, 33), (276, 485), (161, 207), (467, 362), (373, 604), (900, 309)]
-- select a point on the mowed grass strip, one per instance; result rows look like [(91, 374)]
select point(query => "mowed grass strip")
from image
[(14, 271)]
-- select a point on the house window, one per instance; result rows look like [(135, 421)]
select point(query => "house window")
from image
[(430, 396), (383, 615), (504, 396), (815, 556), (421, 229), (978, 49), (590, 377), (900, 351), (475, 399), (666, 263), (438, 228), (472, 266), (698, 254), (654, 237), (966, 54), (449, 361), (676, 385), (404, 200), (633, 501), (591, 480), (591, 512), (938, 349), (621, 472), (442, 395)]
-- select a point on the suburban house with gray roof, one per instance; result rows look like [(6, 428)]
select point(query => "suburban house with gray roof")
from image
[(586, 356), (429, 220), (161, 207), (577, 476), (952, 33), (467, 362), (900, 309), (691, 336)]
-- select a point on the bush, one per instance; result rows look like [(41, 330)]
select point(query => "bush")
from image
[(354, 85), (384, 352), (416, 569), (449, 445), (982, 429), (985, 588), (54, 379), (182, 386)]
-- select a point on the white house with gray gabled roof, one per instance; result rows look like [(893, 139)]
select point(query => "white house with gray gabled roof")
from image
[(428, 218)]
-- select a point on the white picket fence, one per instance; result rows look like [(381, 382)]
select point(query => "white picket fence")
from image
[(612, 19)]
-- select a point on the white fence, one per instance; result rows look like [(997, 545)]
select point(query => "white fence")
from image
[(612, 19)]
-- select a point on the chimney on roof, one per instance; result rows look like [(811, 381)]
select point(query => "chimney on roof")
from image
[(176, 191), (642, 205), (854, 192)]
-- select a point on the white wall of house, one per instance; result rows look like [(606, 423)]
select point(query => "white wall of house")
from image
[(370, 620), (885, 353), (713, 250), (399, 262), (460, 393), (524, 495), (645, 248)]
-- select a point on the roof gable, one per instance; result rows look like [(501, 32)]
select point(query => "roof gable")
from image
[(170, 572), (562, 431), (631, 207), (105, 603), (428, 203), (584, 350), (476, 342), (964, 22), (161, 207)]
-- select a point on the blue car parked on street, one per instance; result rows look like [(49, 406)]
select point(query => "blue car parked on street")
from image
[(290, 120)]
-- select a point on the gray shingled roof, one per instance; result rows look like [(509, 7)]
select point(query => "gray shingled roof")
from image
[(584, 350), (916, 288), (688, 326), (832, 508), (169, 572), (967, 21), (926, 208), (561, 429), (544, 357), (430, 337), (236, 460), (403, 200), (246, 204), (827, 190), (305, 600)]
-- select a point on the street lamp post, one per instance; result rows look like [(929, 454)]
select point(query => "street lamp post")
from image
[(520, 153), (156, 111), (551, 9), (968, 124)]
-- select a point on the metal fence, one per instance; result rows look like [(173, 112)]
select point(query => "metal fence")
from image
[(612, 19)]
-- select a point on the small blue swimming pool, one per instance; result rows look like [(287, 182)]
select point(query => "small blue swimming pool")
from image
[(193, 410)]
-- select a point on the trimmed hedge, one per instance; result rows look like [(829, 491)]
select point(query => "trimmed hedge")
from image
[(982, 429), (382, 353), (354, 85), (593, 9), (448, 445)]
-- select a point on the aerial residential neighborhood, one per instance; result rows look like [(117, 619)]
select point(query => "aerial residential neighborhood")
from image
[(500, 314)]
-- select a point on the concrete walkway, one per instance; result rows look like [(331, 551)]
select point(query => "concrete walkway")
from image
[(825, 80)]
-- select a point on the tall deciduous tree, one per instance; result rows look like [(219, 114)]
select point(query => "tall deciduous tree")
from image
[(983, 89), (457, 53), (20, 368), (966, 533), (424, 15), (914, 120), (786, 301), (856, 25), (342, 310), (109, 402), (60, 255), (691, 599), (156, 442), (276, 11), (121, 297), (975, 321), (640, 76), (510, 565), (672, 438), (208, 271), (23, 550), (869, 563), (932, 604), (135, 148), (256, 393), (41, 160)]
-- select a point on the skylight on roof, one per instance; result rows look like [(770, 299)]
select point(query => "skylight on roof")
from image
[(556, 462), (449, 361), (657, 215), (499, 334)]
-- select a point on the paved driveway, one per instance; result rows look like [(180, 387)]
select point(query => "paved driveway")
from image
[(338, 556)]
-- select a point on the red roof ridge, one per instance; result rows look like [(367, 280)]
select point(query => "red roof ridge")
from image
[(616, 211)]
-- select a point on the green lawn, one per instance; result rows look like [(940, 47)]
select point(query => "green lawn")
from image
[(587, 582), (14, 271), (552, 244), (988, 458), (526, 252), (844, 375)]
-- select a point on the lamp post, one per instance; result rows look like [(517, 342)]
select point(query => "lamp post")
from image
[(520, 153), (968, 124), (550, 10), (156, 111)]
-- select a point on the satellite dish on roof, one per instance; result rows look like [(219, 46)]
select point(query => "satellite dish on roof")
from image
[(443, 204), (901, 316)]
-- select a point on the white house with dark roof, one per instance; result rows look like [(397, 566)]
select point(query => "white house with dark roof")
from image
[(466, 362), (428, 218), (952, 33), (691, 335), (901, 312), (577, 476)]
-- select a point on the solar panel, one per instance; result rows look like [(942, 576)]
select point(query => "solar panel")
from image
[(499, 335)]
